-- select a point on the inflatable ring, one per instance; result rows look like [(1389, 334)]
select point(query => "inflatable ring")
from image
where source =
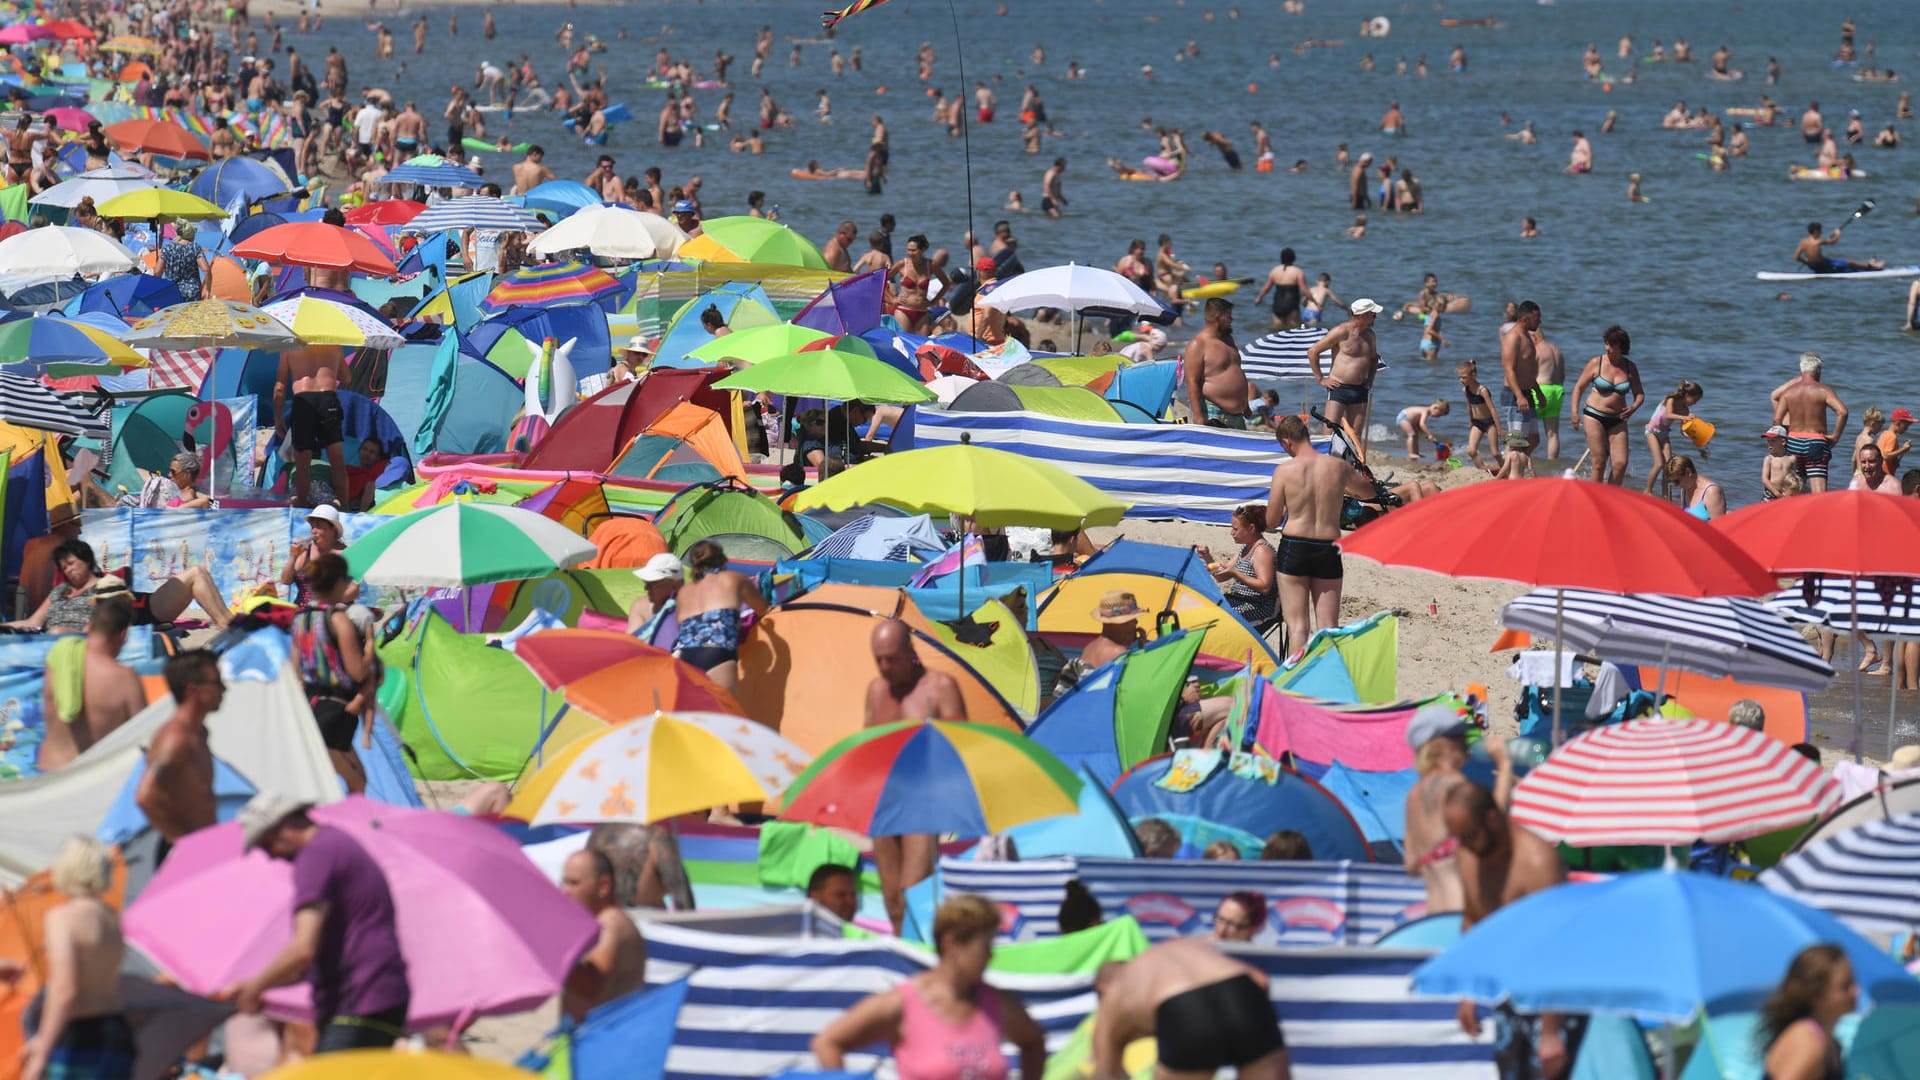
[(1380, 26), (1162, 166)]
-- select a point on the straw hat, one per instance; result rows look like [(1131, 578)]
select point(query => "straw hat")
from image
[(1907, 757), (1118, 606)]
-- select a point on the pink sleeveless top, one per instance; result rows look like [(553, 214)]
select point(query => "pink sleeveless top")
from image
[(932, 1049)]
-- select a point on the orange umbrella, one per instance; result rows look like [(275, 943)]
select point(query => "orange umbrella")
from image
[(316, 244), (616, 678), (135, 71), (157, 137)]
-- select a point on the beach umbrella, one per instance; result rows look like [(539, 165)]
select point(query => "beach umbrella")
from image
[(659, 766), (384, 212), (1281, 355), (547, 284), (833, 374), (147, 204), (30, 403), (1865, 876), (474, 212), (924, 776), (61, 251), (463, 543), (23, 33), (127, 43), (1658, 944), (1089, 289), (561, 196), (241, 178), (1841, 533), (325, 322), (618, 678), (206, 324), (68, 30), (69, 117), (1606, 538), (316, 244), (757, 344), (100, 185), (444, 175), (62, 348), (611, 232), (994, 487), (483, 931), (157, 137), (1719, 637), (753, 240), (1669, 781)]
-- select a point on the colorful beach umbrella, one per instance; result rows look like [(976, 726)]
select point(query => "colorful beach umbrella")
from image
[(464, 543), (209, 324), (994, 487), (157, 137), (611, 232), (921, 777), (319, 321), (757, 344), (751, 239), (833, 374), (127, 43), (62, 348), (22, 33), (660, 766), (147, 204), (618, 678), (474, 212), (1664, 781), (396, 1064), (483, 930), (546, 284), (62, 251), (316, 244)]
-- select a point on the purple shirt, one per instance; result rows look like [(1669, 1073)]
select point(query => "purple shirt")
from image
[(358, 969)]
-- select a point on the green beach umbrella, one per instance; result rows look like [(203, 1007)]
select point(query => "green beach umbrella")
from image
[(758, 344), (465, 543), (833, 374), (753, 240)]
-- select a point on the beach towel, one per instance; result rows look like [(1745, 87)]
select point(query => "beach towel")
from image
[(791, 851), (67, 675)]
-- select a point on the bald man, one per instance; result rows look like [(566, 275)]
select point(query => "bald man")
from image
[(617, 964), (905, 690)]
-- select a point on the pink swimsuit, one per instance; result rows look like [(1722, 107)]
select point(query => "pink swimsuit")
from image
[(932, 1049)]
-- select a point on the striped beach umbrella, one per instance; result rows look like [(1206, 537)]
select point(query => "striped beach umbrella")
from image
[(29, 403), (546, 284), (1878, 608), (62, 348), (474, 212), (1282, 356), (1865, 877), (1664, 781), (463, 543), (319, 321)]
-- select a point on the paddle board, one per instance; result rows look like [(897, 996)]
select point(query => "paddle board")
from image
[(1860, 275)]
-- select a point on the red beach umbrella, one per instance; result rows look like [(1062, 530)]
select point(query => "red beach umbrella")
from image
[(385, 212), (316, 244), (157, 137)]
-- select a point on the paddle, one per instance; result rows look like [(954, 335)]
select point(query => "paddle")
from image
[(1865, 209)]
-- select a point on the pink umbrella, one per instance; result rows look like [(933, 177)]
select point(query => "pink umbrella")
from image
[(70, 118), (483, 931), (21, 33)]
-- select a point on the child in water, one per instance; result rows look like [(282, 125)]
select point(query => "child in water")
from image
[(1359, 229), (1633, 189), (1413, 423)]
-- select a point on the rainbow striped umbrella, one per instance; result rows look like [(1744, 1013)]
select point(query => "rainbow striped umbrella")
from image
[(546, 284), (925, 776)]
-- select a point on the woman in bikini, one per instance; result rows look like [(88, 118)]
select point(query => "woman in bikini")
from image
[(1603, 391), (914, 274), (1699, 496), (709, 611)]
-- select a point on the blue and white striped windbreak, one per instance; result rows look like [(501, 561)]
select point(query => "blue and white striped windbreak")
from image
[(1867, 877)]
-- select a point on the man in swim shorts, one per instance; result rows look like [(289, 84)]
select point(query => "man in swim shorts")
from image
[(1206, 1010), (1305, 500), (1356, 361), (311, 377), (1520, 399), (1216, 385), (1802, 405), (1808, 253), (1553, 391)]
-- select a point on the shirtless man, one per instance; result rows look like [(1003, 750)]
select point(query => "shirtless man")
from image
[(1802, 404), (1438, 736), (1356, 361), (311, 376), (1304, 501), (1206, 1010), (617, 964), (1813, 126), (1289, 284), (531, 171), (111, 693), (905, 690), (81, 951), (1052, 198), (1357, 183), (1216, 387), (1521, 399), (1500, 863), (1553, 389), (409, 132), (176, 791), (1393, 122), (1580, 159), (835, 249), (1808, 253)]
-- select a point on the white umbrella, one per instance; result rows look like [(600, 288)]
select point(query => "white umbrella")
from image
[(1086, 289), (96, 184), (62, 250), (611, 232)]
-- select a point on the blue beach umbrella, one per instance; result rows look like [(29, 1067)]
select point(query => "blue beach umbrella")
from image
[(562, 197), (130, 296)]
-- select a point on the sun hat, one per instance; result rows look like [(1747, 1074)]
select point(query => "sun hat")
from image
[(1907, 757), (1364, 306), (1516, 440), (265, 811), (107, 586), (642, 343), (662, 567), (1118, 606), (1432, 721), (327, 513)]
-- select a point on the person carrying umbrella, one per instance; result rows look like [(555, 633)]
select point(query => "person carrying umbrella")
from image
[(346, 944)]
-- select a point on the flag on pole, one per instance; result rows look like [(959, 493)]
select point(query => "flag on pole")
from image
[(827, 19), (968, 552)]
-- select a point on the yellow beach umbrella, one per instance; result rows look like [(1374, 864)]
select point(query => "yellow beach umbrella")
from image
[(396, 1065), (150, 203), (994, 487), (319, 321)]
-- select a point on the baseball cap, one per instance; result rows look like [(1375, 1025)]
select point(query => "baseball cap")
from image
[(684, 206), (263, 812), (1364, 306), (325, 512), (662, 567), (1433, 721), (1901, 415), (983, 264), (1777, 431)]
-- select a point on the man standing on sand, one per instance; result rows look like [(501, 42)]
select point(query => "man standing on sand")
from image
[(1206, 1010), (617, 964), (1216, 386), (1305, 500), (905, 690), (1052, 198), (1289, 285), (835, 249), (310, 376), (176, 791), (1500, 863), (531, 171), (1521, 399), (1438, 736), (110, 692), (1802, 404), (1553, 390), (1356, 361)]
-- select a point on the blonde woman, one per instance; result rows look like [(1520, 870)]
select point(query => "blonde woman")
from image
[(83, 1027)]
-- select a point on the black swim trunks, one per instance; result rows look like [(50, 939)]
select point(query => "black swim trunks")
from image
[(1347, 394), (316, 420), (1301, 557), (1207, 1028)]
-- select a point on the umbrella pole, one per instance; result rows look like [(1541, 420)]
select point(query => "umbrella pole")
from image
[(1659, 691), (1893, 687), (1853, 627), (1559, 632)]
